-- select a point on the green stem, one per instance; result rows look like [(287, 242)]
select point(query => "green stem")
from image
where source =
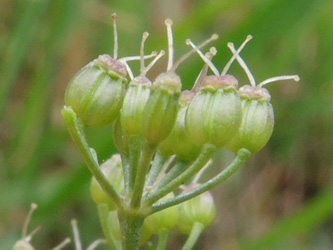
[(175, 171), (126, 172), (103, 212), (242, 156), (156, 168), (76, 131), (146, 156), (130, 225), (194, 235), (134, 157), (162, 239), (206, 153)]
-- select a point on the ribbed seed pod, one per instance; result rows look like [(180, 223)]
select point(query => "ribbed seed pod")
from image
[(258, 117), (215, 112), (112, 169), (257, 122), (96, 92), (131, 113), (198, 209), (160, 111), (178, 142)]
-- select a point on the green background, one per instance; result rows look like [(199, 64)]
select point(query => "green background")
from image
[(281, 199)]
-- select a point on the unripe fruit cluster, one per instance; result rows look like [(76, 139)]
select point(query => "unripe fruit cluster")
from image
[(213, 112), (154, 120), (216, 113)]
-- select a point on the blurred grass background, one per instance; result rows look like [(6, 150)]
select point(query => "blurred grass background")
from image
[(282, 198)]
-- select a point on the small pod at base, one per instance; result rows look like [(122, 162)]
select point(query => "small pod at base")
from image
[(112, 169), (257, 122), (198, 209)]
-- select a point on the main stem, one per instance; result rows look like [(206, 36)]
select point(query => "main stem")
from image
[(130, 225)]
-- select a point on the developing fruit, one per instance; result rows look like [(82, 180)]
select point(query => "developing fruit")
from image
[(137, 95), (258, 116), (162, 105), (165, 219), (178, 142), (198, 209), (214, 114), (96, 92)]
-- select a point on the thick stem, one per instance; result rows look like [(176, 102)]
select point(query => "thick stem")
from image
[(103, 212), (130, 225), (162, 239), (146, 156), (76, 131), (241, 157), (194, 235), (206, 153)]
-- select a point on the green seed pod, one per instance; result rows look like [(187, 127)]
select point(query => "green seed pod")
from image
[(112, 169), (178, 142), (258, 117), (138, 92), (131, 114), (215, 112), (164, 219), (161, 108), (198, 209), (257, 122), (96, 92)]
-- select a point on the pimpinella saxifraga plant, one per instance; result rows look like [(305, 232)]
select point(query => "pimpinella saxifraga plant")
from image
[(165, 138)]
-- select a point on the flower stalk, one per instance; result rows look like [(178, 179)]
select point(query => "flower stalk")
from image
[(194, 235), (75, 129)]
